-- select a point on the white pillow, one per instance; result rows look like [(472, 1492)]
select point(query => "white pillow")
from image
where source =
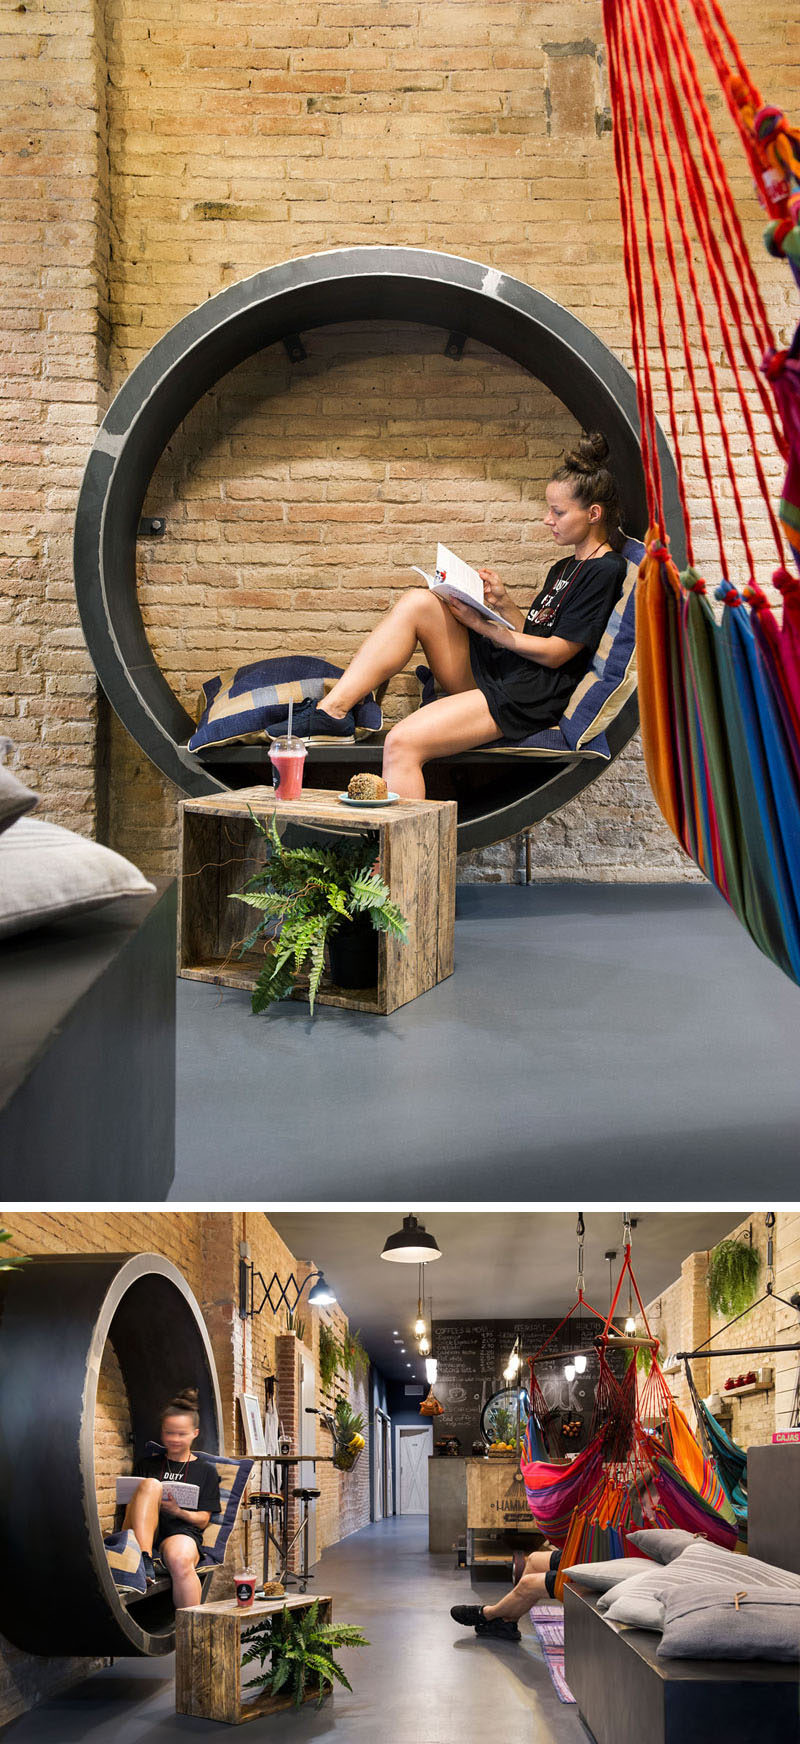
[(635, 1601), (47, 872), (599, 1576)]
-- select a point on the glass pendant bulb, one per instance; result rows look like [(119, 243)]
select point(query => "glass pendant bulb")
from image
[(580, 1365), (424, 1345), (569, 1371)]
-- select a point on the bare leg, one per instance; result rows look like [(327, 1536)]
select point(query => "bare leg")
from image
[(453, 723), (181, 1556), (420, 616), (141, 1514), (529, 1590)]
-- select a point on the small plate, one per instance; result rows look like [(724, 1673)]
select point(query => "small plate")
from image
[(390, 799)]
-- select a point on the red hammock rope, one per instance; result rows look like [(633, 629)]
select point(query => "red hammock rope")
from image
[(656, 97)]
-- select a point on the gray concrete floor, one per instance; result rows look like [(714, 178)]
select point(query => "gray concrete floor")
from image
[(423, 1680), (595, 1042)]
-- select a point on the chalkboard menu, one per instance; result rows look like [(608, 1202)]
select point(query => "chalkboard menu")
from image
[(472, 1355)]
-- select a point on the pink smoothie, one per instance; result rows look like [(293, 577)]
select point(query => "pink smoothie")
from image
[(287, 761)]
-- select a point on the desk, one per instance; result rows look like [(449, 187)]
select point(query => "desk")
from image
[(497, 1509), (220, 848)]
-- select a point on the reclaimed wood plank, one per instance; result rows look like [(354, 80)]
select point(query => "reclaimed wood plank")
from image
[(448, 828)]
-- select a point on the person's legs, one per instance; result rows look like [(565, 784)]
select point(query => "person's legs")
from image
[(452, 723), (181, 1555), (141, 1513), (529, 1590), (532, 1588), (419, 616)]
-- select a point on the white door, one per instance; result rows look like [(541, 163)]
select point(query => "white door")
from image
[(415, 1446), (306, 1473)]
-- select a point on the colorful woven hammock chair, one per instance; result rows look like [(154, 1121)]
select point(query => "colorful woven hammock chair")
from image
[(719, 690), (729, 1460), (642, 1466)]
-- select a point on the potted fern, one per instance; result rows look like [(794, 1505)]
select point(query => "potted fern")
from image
[(300, 1650), (309, 899)]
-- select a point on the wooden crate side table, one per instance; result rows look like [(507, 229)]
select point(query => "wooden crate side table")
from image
[(220, 848), (208, 1664)]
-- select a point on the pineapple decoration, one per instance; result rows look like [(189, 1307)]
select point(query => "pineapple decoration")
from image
[(349, 1441)]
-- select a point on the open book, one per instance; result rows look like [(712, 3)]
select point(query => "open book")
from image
[(455, 580), (186, 1495)]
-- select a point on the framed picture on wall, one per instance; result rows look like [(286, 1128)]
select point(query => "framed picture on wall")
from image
[(253, 1425)]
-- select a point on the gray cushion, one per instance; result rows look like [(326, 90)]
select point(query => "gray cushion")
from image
[(663, 1544), (636, 1601), (766, 1625), (704, 1562), (599, 1576), (47, 872), (15, 799)]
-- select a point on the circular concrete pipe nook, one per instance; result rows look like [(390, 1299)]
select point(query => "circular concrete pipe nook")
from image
[(467, 301), (57, 1595)]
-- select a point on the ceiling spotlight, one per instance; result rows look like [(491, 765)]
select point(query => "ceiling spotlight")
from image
[(408, 1365), (580, 1365), (411, 1245)]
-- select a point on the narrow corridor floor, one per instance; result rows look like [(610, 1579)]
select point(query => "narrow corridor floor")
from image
[(422, 1680)]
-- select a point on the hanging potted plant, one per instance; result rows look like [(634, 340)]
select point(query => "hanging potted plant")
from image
[(330, 1354), (733, 1274), (314, 901)]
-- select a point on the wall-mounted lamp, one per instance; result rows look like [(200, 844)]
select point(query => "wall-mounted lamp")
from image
[(275, 1292)]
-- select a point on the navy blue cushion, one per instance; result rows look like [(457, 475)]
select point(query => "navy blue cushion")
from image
[(251, 703)]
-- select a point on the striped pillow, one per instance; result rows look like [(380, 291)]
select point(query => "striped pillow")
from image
[(125, 1562), (233, 1475), (611, 678), (245, 706)]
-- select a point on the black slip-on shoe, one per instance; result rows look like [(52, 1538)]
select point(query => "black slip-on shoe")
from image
[(468, 1615), (498, 1629), (312, 724)]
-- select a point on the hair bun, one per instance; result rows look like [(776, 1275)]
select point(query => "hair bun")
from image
[(187, 1399), (590, 453)]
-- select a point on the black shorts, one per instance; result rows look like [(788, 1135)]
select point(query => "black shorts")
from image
[(550, 1577), (171, 1528)]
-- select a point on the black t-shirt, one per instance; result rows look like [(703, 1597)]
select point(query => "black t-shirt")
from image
[(195, 1471), (575, 603)]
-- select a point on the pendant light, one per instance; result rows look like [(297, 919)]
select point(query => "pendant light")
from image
[(412, 1245)]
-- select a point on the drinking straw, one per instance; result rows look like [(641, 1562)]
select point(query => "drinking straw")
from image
[(291, 706)]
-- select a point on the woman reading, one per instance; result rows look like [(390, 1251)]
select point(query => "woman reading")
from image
[(160, 1524), (500, 683)]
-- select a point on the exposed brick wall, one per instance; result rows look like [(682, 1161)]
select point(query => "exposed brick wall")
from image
[(681, 1316), (205, 1248), (53, 334), (479, 129)]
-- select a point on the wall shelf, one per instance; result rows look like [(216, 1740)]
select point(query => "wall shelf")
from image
[(752, 1387)]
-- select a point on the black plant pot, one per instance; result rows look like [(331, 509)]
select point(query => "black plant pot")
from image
[(353, 952)]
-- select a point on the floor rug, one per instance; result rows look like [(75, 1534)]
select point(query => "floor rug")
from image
[(548, 1624)]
